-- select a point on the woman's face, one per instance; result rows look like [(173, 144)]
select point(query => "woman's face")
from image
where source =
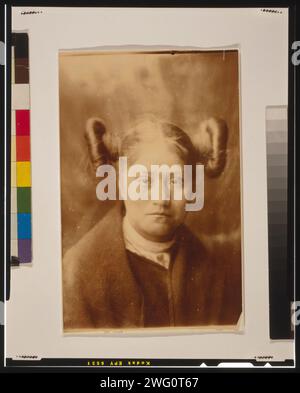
[(156, 220)]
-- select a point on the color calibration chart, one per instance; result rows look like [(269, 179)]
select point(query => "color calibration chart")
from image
[(277, 180), (21, 242)]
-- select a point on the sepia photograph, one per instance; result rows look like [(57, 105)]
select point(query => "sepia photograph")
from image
[(150, 177)]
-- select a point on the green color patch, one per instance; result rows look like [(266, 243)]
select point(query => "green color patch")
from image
[(24, 199)]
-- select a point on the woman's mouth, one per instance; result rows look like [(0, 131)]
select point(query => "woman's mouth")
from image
[(160, 217), (159, 214)]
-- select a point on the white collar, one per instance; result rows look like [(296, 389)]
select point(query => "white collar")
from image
[(158, 252)]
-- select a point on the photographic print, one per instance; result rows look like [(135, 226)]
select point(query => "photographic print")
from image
[(150, 190)]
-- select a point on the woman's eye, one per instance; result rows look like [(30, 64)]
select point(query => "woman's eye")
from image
[(144, 179)]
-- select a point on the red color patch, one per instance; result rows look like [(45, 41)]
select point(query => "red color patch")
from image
[(23, 122), (23, 148)]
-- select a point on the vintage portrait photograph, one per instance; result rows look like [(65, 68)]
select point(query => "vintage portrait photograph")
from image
[(150, 176)]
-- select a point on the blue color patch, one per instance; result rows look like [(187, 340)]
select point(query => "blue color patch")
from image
[(24, 226)]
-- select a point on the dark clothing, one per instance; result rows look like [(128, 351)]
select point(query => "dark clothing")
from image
[(155, 282), (107, 286)]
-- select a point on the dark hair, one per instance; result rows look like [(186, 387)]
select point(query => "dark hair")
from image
[(207, 146)]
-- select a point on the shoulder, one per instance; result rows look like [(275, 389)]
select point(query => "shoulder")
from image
[(94, 250), (217, 250), (196, 250), (214, 263), (87, 269), (219, 259)]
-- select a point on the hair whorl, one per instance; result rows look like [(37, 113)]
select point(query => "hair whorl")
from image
[(211, 142), (102, 149)]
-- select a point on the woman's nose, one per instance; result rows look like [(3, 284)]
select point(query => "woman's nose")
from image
[(161, 202), (162, 193)]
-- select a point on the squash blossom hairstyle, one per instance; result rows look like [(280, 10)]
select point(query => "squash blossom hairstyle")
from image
[(207, 146)]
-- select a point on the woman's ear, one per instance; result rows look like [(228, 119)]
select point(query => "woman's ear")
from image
[(211, 142), (100, 142)]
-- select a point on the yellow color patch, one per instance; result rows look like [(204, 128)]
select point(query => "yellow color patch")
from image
[(23, 174)]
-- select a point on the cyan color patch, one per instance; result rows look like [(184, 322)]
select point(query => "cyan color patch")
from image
[(24, 226)]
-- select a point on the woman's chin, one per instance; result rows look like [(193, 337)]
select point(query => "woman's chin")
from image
[(160, 231)]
